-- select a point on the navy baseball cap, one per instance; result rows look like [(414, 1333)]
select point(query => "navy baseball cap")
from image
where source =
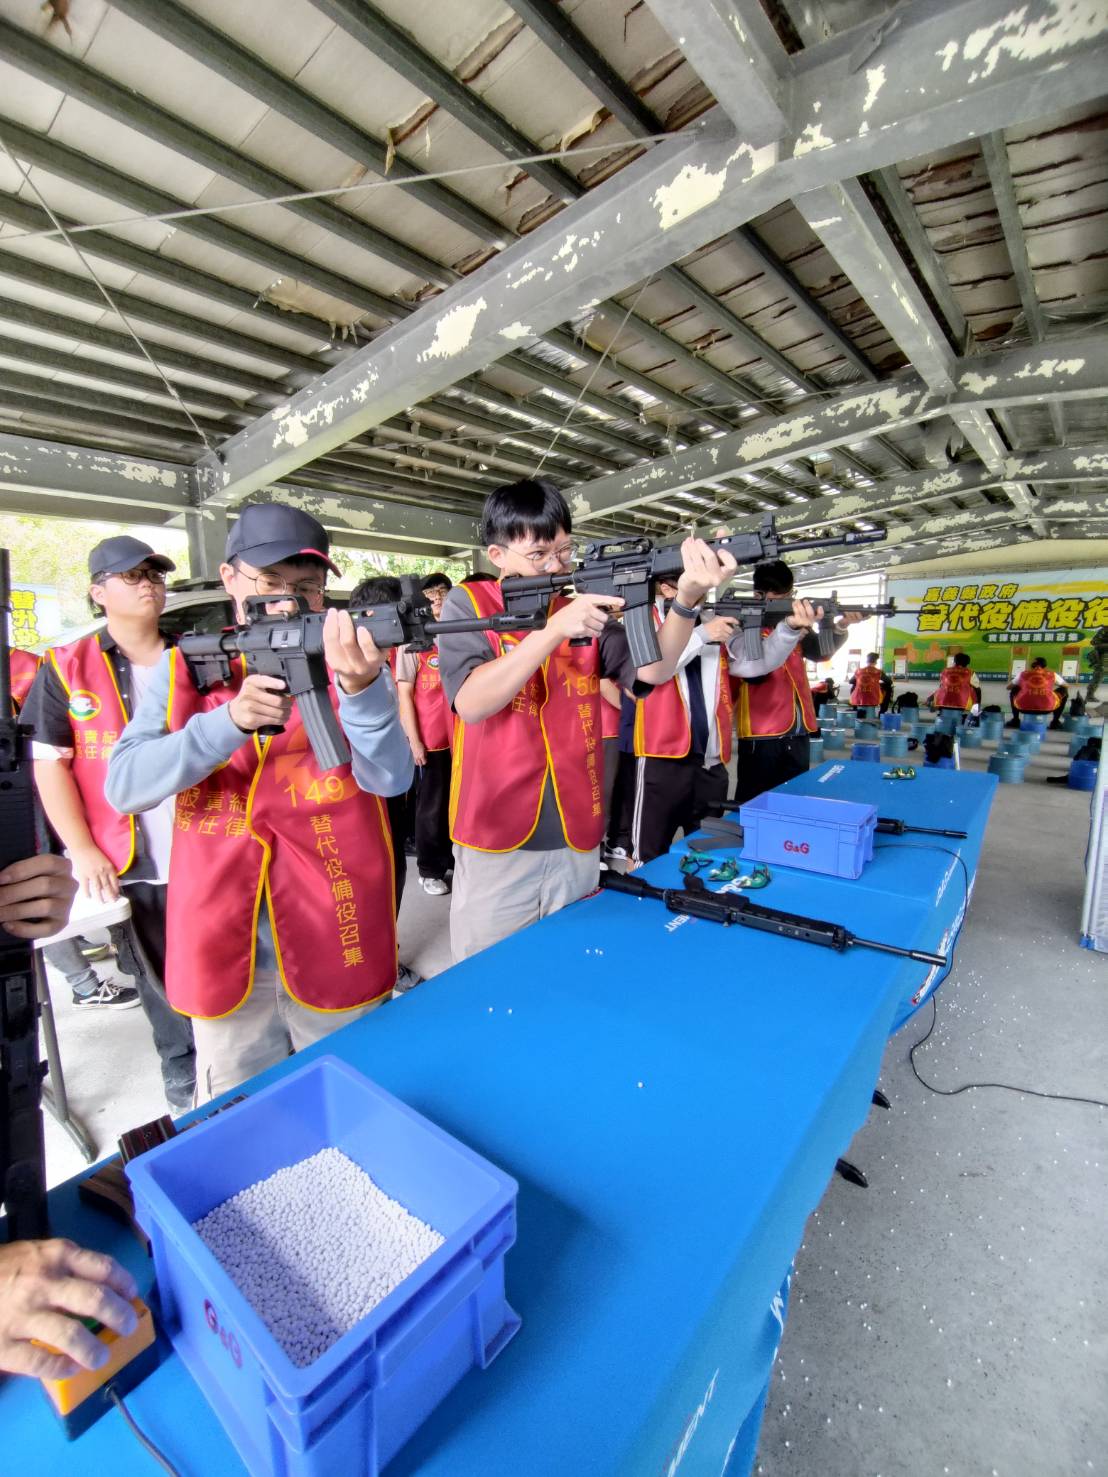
[(114, 555), (267, 533)]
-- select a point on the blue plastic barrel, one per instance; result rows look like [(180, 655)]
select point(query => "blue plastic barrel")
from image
[(868, 753), (867, 731), (833, 741), (894, 746), (1082, 775), (971, 738), (992, 727), (815, 752), (1034, 722), (1008, 768), (891, 722), (1077, 743)]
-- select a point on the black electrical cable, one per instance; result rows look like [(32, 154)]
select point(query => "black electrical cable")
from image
[(1061, 1097), (112, 1394)]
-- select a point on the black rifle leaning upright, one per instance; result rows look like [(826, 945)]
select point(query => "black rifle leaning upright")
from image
[(632, 568), (291, 647), (22, 1155)]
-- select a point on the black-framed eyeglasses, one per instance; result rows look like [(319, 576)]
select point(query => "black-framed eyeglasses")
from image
[(135, 576)]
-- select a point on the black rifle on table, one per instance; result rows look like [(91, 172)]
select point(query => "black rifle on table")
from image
[(632, 568), (22, 1158), (755, 613), (291, 647), (696, 901)]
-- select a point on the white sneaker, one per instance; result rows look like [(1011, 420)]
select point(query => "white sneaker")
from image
[(435, 886)]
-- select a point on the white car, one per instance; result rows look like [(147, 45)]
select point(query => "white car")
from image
[(190, 605)]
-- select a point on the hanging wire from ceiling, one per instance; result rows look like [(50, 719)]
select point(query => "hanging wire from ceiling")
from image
[(191, 212), (106, 295), (592, 375)]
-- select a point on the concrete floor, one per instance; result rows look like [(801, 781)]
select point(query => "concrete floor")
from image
[(953, 1318)]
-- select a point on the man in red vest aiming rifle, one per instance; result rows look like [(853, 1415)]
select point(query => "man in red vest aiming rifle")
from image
[(682, 738), (281, 924), (775, 714), (80, 703), (526, 804)]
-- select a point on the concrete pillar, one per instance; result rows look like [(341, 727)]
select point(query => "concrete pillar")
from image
[(207, 534)]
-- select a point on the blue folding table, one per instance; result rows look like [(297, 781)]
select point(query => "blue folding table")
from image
[(671, 1096)]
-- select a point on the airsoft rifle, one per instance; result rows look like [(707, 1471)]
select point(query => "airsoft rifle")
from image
[(631, 569), (755, 614), (291, 647), (697, 901)]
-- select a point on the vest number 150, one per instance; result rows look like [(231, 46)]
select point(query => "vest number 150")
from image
[(581, 686)]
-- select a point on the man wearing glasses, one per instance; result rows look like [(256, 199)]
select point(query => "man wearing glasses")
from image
[(80, 702), (281, 926), (526, 803)]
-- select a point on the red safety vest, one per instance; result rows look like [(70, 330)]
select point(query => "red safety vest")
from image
[(767, 705), (867, 691), (270, 828), (97, 717), (22, 668), (955, 688), (1035, 691), (609, 720), (663, 728), (430, 702), (548, 733)]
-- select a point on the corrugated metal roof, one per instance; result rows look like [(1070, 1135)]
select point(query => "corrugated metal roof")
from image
[(142, 109)]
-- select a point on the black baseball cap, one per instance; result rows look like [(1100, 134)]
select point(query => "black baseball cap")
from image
[(267, 533), (114, 555)]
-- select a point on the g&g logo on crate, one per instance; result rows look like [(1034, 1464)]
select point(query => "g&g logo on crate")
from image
[(803, 847), (227, 1339)]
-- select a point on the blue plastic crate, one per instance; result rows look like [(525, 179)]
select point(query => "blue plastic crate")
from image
[(808, 831), (352, 1409), (867, 752), (1034, 722)]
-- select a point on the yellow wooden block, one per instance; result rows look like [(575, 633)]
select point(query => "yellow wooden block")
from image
[(66, 1395)]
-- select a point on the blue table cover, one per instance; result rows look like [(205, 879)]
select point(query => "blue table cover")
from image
[(671, 1096)]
